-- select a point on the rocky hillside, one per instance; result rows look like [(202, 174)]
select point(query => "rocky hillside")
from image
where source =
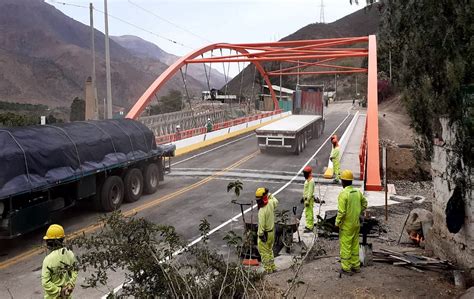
[(144, 49), (45, 59), (360, 23)]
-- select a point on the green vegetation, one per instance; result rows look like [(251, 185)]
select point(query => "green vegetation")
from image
[(432, 49), (78, 110), (171, 102), (22, 107)]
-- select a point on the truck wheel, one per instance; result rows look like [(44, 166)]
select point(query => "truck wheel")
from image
[(111, 194), (298, 145), (151, 178), (133, 183)]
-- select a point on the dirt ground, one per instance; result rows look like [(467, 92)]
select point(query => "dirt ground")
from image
[(320, 279), (396, 133)]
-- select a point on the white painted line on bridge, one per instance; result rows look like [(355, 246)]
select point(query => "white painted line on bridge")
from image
[(236, 217)]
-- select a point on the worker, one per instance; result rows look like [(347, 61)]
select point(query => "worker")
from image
[(335, 158), (308, 198), (59, 271), (209, 125), (350, 205), (267, 204), (178, 132)]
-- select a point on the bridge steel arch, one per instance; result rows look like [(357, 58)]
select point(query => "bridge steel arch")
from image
[(146, 98), (301, 54)]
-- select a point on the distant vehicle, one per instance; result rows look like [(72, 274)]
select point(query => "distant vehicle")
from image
[(47, 169), (292, 133), (216, 95)]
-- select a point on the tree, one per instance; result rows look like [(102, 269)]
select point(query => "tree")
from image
[(78, 110), (171, 102)]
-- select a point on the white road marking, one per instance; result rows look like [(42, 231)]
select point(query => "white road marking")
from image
[(236, 217), (212, 149)]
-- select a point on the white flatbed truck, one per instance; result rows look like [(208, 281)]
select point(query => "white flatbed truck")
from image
[(292, 133)]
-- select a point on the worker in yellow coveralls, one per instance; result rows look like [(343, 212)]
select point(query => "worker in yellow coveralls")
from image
[(267, 204)]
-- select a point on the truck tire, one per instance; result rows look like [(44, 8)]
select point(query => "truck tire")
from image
[(297, 145), (111, 194), (151, 178), (133, 183)]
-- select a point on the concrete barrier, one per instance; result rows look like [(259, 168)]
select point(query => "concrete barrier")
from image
[(184, 146)]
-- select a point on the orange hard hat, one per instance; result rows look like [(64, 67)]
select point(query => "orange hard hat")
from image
[(307, 169)]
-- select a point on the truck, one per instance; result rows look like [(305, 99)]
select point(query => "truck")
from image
[(47, 169), (216, 95), (292, 133)]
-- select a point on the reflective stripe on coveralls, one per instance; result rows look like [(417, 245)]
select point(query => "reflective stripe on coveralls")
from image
[(351, 203), (308, 195), (336, 160), (59, 270), (266, 223)]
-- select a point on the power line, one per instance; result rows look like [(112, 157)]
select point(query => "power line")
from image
[(169, 22), (124, 21)]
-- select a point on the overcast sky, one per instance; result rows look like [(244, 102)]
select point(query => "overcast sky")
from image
[(208, 21)]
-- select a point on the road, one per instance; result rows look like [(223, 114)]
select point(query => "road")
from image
[(181, 201)]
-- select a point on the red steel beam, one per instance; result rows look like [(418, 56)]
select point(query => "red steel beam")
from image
[(318, 72), (349, 40), (372, 181), (149, 94), (277, 58)]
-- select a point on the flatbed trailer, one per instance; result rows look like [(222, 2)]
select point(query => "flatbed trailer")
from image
[(47, 169), (291, 133)]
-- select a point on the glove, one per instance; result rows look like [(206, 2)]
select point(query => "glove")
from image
[(302, 200), (263, 237)]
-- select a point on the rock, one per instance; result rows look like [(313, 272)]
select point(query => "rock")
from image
[(400, 198), (469, 294)]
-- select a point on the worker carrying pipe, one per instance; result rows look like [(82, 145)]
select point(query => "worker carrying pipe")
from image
[(308, 198), (350, 205), (335, 158), (59, 271), (267, 204)]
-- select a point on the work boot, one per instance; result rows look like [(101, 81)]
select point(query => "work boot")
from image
[(356, 270)]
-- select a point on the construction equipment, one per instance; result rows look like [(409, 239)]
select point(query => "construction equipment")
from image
[(365, 249)]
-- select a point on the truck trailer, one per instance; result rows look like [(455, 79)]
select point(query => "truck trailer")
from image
[(292, 133), (47, 169)]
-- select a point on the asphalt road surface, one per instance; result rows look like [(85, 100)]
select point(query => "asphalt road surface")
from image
[(182, 201)]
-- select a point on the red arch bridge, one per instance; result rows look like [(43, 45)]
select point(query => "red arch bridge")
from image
[(325, 54)]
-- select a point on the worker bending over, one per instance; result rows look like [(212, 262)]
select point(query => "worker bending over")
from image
[(350, 204), (59, 272), (335, 158), (267, 204), (308, 198)]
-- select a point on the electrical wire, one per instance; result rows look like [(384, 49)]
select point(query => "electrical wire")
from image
[(124, 21), (169, 22)]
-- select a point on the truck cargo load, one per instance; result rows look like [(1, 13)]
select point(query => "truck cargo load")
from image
[(48, 168)]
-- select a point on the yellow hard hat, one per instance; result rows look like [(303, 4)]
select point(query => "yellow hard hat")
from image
[(347, 175), (260, 192), (55, 231)]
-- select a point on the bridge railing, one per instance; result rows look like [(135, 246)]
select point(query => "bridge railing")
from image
[(218, 126)]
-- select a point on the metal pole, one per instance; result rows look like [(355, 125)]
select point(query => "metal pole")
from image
[(356, 84), (94, 87), (280, 85), (107, 63), (390, 63), (384, 161)]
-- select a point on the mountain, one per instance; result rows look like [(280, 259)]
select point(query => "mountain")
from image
[(45, 58), (144, 49), (360, 23)]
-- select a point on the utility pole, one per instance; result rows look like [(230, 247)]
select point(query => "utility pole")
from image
[(390, 63), (107, 63), (94, 86)]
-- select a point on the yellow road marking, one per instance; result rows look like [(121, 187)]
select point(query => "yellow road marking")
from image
[(193, 147), (90, 228)]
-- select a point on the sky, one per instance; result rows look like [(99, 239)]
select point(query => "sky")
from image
[(192, 24)]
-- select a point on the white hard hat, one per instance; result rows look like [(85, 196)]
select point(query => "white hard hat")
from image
[(208, 118), (178, 126)]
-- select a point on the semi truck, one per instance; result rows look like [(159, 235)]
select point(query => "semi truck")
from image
[(216, 95), (47, 169), (292, 133)]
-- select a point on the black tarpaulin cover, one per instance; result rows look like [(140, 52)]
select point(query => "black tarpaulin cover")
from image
[(41, 156)]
